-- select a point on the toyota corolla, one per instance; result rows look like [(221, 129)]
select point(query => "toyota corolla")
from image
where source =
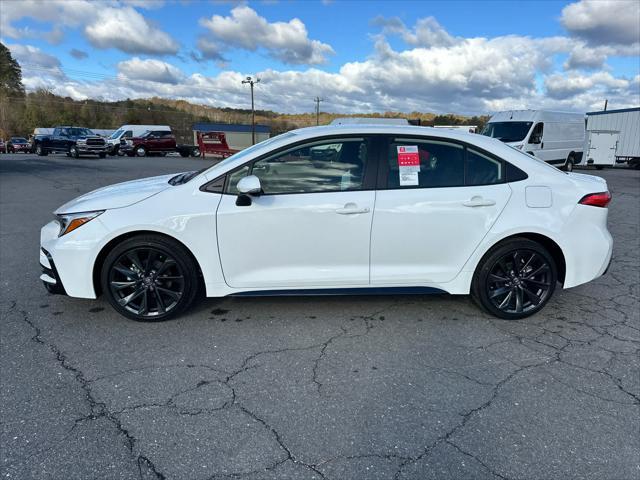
[(337, 209)]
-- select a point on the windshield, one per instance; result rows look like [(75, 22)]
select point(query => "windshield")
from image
[(507, 131), (18, 140), (116, 134)]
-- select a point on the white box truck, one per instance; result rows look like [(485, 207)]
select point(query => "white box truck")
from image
[(555, 137), (130, 131), (613, 136)]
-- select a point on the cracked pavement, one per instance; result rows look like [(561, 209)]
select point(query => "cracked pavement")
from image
[(392, 387)]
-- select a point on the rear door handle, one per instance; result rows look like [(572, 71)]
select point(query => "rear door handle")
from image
[(479, 202), (351, 209)]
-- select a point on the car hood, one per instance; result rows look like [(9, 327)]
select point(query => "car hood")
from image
[(117, 196)]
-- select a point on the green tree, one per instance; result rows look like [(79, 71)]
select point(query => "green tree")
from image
[(10, 74)]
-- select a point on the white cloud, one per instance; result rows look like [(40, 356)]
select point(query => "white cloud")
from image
[(426, 33), (39, 69), (603, 22), (150, 70), (107, 24), (561, 86), (286, 41), (127, 30)]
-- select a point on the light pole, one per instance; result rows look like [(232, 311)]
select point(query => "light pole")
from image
[(318, 100), (252, 82)]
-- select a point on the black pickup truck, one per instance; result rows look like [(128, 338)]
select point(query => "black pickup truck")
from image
[(74, 141)]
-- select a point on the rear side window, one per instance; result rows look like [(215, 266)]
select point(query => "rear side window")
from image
[(483, 170), (424, 164), (514, 174)]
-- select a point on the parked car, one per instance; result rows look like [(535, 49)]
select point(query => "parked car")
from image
[(400, 208), (18, 144), (555, 137), (129, 131), (74, 141), (158, 142)]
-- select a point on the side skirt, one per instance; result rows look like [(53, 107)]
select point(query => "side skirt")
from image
[(341, 291)]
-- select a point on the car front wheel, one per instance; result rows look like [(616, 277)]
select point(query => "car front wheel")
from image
[(140, 151), (149, 278), (515, 279)]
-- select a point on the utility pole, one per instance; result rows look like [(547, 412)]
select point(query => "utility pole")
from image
[(317, 100), (605, 104), (252, 82)]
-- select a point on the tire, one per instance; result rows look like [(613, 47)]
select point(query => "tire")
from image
[(74, 152), (140, 152), (525, 274), (599, 167), (102, 155), (195, 152), (568, 167), (149, 292), (41, 152)]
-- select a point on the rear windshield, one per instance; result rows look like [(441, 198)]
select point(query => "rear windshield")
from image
[(18, 140), (507, 131)]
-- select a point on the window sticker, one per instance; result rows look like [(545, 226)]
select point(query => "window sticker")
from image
[(408, 165)]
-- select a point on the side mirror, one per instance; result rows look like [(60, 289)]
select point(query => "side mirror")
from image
[(249, 185)]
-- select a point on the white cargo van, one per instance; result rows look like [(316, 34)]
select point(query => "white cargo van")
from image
[(555, 137), (129, 131)]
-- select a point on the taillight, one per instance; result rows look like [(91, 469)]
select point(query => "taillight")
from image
[(600, 199)]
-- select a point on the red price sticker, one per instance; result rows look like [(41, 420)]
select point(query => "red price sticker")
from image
[(408, 156)]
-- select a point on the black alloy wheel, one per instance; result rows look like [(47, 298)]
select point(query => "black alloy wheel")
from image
[(149, 278), (515, 280)]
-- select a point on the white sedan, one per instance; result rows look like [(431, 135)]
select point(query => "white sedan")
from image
[(337, 209)]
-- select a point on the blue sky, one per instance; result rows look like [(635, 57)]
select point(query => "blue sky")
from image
[(455, 56)]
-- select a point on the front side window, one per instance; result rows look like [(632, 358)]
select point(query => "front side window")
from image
[(483, 170), (424, 164), (536, 135), (329, 166)]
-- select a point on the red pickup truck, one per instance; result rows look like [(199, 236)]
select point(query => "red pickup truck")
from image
[(158, 142)]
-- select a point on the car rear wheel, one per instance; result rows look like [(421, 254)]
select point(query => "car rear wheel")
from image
[(41, 152), (140, 152), (149, 278), (515, 279)]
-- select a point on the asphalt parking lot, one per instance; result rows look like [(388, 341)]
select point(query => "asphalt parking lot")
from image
[(405, 387)]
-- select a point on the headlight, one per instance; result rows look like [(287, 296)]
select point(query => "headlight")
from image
[(69, 222)]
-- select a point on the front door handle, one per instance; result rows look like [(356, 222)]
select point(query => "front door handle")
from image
[(351, 209), (479, 202)]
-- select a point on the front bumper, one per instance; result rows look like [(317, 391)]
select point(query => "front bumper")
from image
[(83, 148), (50, 277)]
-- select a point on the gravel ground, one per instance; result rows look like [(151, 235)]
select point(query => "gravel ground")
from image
[(405, 387)]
